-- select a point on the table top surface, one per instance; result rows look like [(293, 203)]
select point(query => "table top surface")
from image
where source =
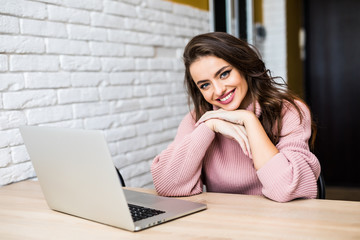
[(24, 214)]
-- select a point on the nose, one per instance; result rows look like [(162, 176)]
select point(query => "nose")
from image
[(219, 88)]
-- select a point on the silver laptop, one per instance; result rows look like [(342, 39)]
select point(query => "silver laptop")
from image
[(78, 177)]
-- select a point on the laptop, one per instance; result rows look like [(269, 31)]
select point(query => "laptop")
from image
[(78, 177)]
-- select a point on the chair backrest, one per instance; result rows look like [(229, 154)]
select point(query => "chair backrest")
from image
[(321, 187), (120, 177)]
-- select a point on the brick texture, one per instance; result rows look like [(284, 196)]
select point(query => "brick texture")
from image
[(96, 64)]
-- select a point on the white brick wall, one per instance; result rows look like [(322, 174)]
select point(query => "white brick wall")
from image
[(95, 64)]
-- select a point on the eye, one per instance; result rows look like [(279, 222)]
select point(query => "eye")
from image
[(225, 74), (203, 86)]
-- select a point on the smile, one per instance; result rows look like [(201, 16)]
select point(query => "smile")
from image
[(228, 98)]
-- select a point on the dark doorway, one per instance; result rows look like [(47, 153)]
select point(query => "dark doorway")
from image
[(332, 79), (220, 17)]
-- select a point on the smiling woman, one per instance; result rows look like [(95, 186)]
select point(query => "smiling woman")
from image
[(245, 135), (221, 84)]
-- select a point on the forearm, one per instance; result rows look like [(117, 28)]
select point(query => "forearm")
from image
[(293, 172), (262, 149)]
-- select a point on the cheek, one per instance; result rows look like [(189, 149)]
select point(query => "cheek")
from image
[(243, 85), (206, 95), (246, 86)]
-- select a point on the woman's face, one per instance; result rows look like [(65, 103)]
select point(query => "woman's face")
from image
[(220, 83)]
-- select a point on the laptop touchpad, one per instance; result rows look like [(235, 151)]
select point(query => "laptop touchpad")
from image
[(142, 198)]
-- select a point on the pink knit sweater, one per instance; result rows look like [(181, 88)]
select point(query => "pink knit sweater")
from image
[(198, 153)]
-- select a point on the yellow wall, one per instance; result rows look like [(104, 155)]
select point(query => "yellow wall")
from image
[(258, 11), (201, 4), (294, 62)]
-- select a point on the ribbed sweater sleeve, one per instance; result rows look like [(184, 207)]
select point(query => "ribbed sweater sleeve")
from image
[(293, 172), (177, 170)]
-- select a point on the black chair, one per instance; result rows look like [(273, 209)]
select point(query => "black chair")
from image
[(321, 187), (120, 178)]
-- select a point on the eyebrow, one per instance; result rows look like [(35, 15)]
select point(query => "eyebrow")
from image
[(215, 75)]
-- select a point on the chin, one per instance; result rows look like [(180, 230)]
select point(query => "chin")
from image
[(229, 108)]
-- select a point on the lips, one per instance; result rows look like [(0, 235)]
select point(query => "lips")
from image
[(226, 98)]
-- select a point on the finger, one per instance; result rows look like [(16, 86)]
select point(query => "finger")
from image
[(242, 129), (243, 134), (206, 116), (234, 131), (229, 116), (242, 144), (245, 144), (218, 114)]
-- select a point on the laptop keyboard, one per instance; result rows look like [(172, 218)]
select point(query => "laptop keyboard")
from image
[(138, 212)]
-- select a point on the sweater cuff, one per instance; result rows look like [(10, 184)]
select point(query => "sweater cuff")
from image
[(269, 174), (205, 134)]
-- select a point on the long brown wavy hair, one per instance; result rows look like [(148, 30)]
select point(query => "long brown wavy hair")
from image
[(263, 88)]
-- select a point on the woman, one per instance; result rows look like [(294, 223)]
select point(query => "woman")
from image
[(245, 135)]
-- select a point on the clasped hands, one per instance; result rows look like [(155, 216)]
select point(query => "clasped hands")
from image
[(231, 124)]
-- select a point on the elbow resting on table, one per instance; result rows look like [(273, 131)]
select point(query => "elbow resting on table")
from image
[(289, 194), (175, 192), (170, 188)]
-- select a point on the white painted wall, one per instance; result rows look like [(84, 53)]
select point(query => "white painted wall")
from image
[(274, 46), (94, 64)]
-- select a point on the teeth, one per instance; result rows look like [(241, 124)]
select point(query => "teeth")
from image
[(226, 98)]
